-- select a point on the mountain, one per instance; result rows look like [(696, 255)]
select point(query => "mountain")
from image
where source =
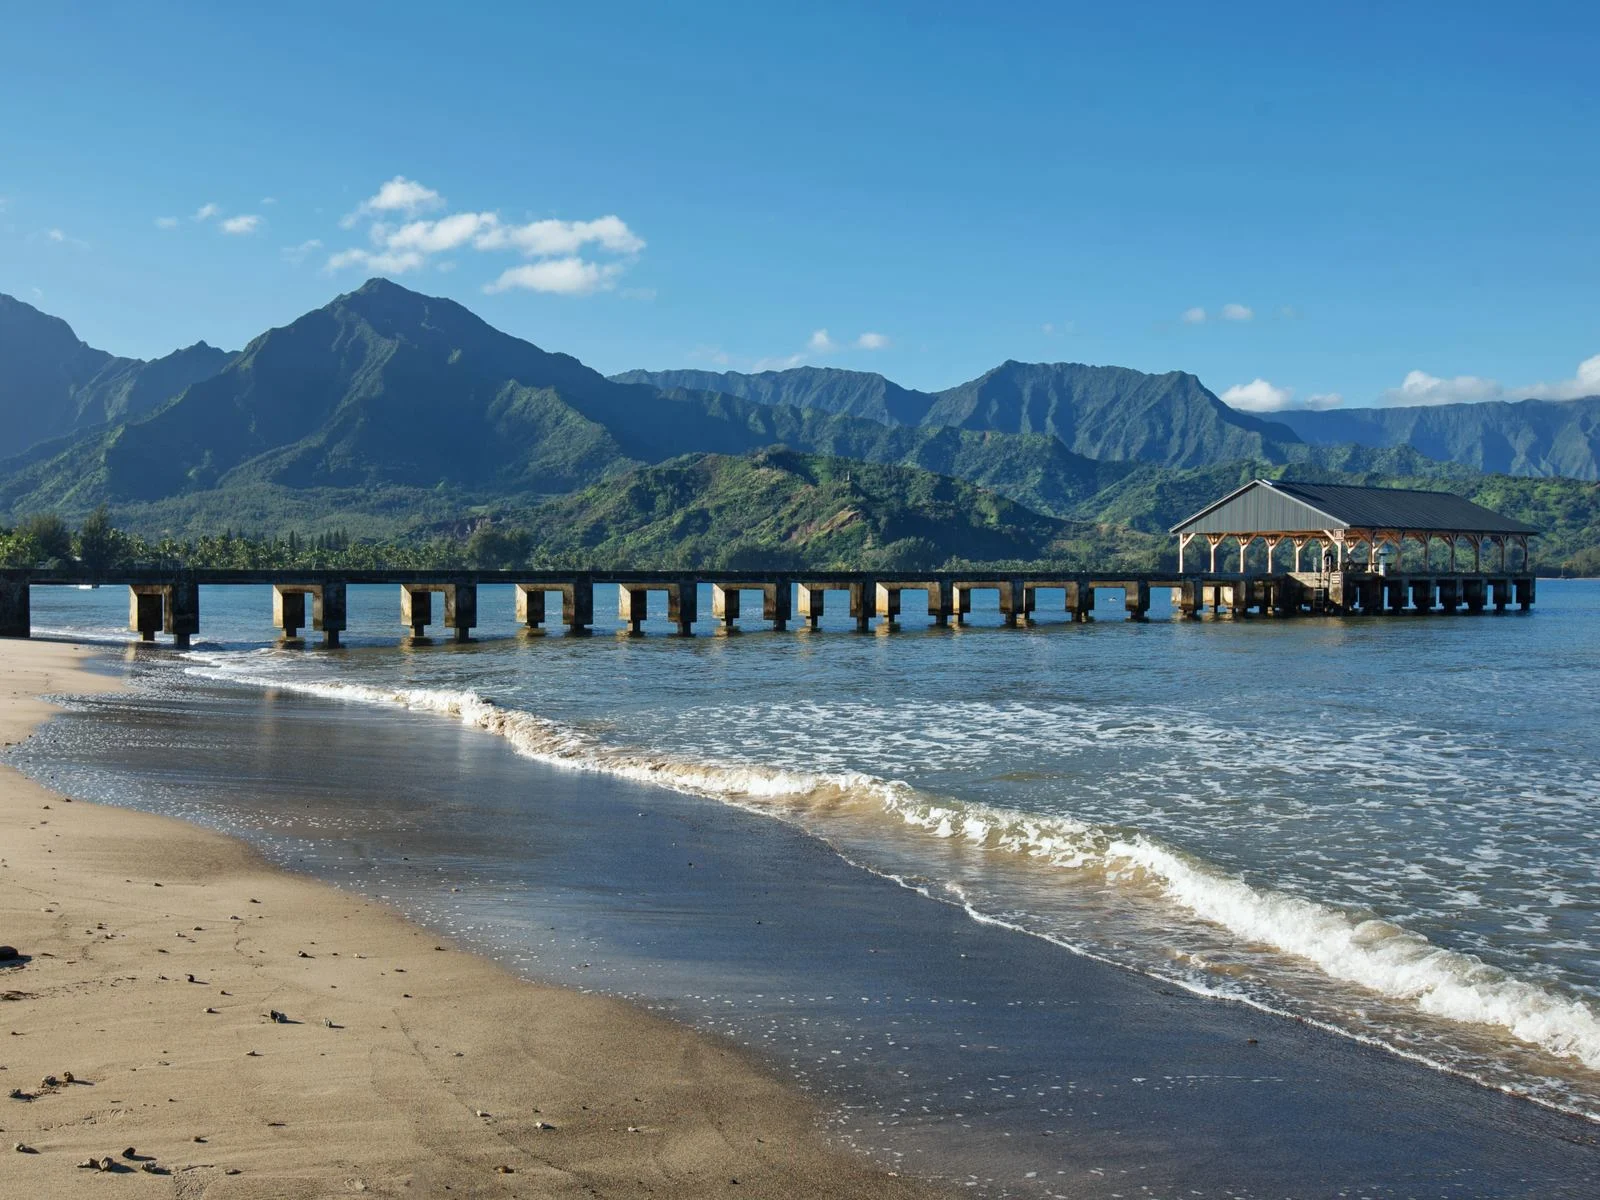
[(779, 509), (1528, 437), (1104, 413), (52, 384), (384, 388), (860, 394)]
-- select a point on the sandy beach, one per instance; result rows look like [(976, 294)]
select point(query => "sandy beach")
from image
[(138, 1029)]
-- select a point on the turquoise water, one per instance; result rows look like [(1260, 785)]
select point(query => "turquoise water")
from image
[(1385, 826)]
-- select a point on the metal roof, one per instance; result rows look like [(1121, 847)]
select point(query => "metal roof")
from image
[(1279, 506)]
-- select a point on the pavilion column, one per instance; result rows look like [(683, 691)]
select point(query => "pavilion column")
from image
[(1452, 555), (1215, 540), (1243, 545), (1299, 545), (1272, 547)]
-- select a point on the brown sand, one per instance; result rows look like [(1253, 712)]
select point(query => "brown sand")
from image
[(157, 949)]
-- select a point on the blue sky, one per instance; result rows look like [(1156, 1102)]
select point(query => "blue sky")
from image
[(1399, 201)]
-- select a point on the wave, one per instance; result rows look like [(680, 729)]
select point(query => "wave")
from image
[(1377, 955)]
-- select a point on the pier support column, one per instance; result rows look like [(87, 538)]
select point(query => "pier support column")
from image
[(777, 604), (1473, 593), (887, 605), (812, 603), (1500, 592), (577, 605), (530, 606), (1191, 597), (683, 606), (1016, 602), (15, 608), (633, 606), (416, 609), (1524, 589), (169, 607), (961, 603), (1422, 595), (327, 610), (288, 610), (941, 601), (1449, 594), (1136, 599), (144, 610), (461, 609), (1080, 599), (724, 604), (1394, 595), (863, 600)]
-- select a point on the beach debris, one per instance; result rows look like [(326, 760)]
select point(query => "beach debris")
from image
[(49, 1081), (19, 1094), (24, 1148), (210, 1011), (88, 1164), (276, 1017), (327, 1023), (233, 1171), (149, 1167), (9, 954), (130, 1152), (253, 900), (502, 1169), (68, 1077), (252, 1054), (302, 954), (543, 1125), (199, 1139)]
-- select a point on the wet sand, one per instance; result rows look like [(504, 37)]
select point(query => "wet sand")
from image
[(155, 952)]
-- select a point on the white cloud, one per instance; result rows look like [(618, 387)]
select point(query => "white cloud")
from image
[(1261, 396), (778, 364), (244, 223), (872, 341), (557, 246), (62, 238), (445, 267), (1058, 328), (1236, 312), (1193, 316), (383, 262), (542, 239), (1585, 383), (295, 255), (638, 293), (713, 354), (398, 195), (1419, 387), (205, 212), (821, 343), (166, 222), (562, 276), (1257, 396), (435, 237), (266, 200)]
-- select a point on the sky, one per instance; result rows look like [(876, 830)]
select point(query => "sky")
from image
[(1358, 205)]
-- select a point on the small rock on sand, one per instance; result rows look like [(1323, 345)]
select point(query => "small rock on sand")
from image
[(9, 954)]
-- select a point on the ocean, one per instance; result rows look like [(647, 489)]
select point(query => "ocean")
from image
[(1377, 832)]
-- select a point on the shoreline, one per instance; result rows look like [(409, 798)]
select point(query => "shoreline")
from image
[(156, 948)]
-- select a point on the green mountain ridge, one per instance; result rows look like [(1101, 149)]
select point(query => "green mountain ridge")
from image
[(1102, 413), (52, 384), (1525, 437)]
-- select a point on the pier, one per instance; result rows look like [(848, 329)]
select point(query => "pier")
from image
[(1358, 536), (164, 602)]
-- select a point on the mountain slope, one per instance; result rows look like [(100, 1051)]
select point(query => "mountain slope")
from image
[(1529, 437), (52, 384), (1104, 413)]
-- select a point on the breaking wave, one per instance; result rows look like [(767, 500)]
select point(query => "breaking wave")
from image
[(1397, 964)]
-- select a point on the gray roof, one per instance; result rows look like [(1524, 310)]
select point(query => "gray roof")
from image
[(1279, 506)]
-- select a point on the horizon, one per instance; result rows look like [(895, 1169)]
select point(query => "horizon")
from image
[(1303, 211)]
